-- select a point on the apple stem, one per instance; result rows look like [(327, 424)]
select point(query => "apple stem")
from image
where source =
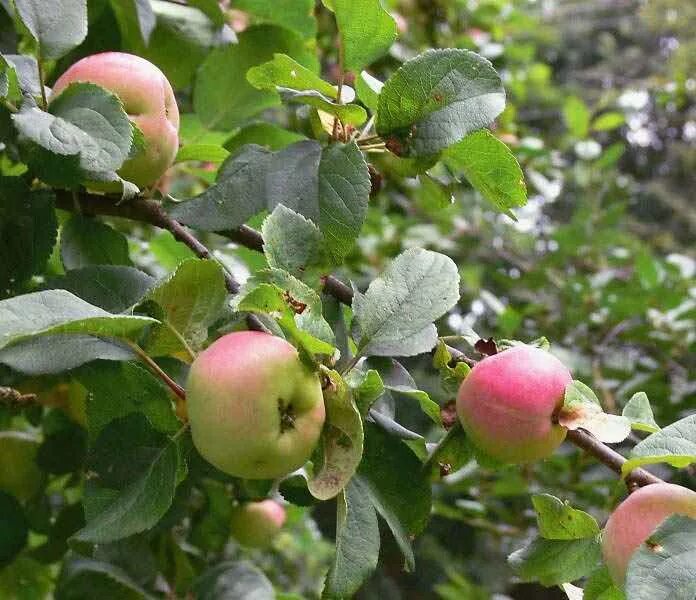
[(42, 80), (149, 211), (157, 370)]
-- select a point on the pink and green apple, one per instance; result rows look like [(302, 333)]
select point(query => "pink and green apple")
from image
[(256, 524), (508, 403), (256, 411), (637, 517), (148, 99)]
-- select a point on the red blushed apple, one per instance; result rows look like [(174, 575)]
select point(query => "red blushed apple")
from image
[(508, 402), (256, 411), (637, 517), (148, 99), (255, 524)]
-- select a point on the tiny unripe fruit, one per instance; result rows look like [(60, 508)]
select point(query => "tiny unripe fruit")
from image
[(147, 98), (637, 517), (507, 404), (256, 411), (256, 524), (19, 473)]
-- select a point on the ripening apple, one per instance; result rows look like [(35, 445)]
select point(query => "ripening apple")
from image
[(19, 473), (637, 517), (507, 404), (256, 411), (255, 524), (147, 98)]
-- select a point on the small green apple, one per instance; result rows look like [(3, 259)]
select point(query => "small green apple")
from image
[(255, 524), (19, 473), (148, 99), (256, 411)]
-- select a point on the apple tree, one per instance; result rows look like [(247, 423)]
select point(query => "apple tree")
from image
[(224, 376)]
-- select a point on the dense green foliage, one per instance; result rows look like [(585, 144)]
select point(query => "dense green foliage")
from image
[(486, 170)]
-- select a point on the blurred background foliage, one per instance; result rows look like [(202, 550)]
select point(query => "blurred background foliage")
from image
[(602, 117)]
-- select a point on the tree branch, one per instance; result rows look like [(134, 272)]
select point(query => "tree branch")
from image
[(609, 457), (150, 211)]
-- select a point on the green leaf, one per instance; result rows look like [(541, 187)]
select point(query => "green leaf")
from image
[(344, 192), (398, 487), (454, 452), (87, 134), (271, 299), (211, 9), (357, 542), (233, 580), (437, 99), (608, 121), (26, 579), (557, 520), (113, 288), (396, 313), (140, 505), (581, 408), (46, 355), (58, 26), (552, 562), (600, 586), (491, 169), (639, 412), (136, 20), (202, 152), (293, 243), (341, 441), (295, 83), (21, 70), (297, 15), (664, 567), (168, 251), (191, 298), (85, 241), (14, 527), (264, 134), (577, 116), (367, 387), (306, 302), (28, 231), (367, 31), (117, 390), (330, 186), (450, 377), (368, 89), (251, 181), (58, 311), (83, 577), (397, 379), (674, 445), (223, 98), (182, 39)]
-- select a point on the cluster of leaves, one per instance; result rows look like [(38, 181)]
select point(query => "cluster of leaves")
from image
[(122, 502)]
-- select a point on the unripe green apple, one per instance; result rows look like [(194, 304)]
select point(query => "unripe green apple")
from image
[(637, 517), (19, 473), (256, 411), (508, 402), (148, 99), (255, 524)]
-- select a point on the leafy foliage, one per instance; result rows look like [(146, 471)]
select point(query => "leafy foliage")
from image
[(317, 194)]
